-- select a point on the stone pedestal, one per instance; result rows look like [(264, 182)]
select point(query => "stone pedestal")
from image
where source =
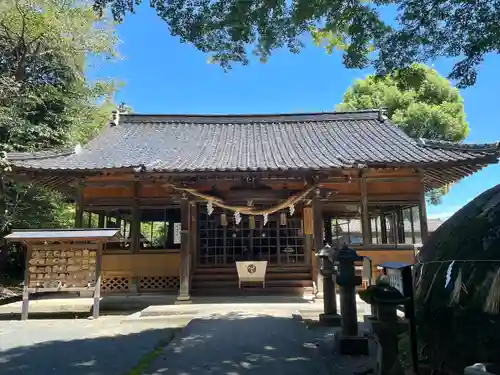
[(330, 320), (330, 317), (183, 300), (353, 345)]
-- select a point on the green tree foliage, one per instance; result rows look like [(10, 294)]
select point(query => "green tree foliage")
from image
[(418, 100), (423, 29), (45, 99)]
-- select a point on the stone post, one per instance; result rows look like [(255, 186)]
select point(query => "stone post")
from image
[(329, 317)]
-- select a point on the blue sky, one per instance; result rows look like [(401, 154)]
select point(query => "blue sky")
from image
[(161, 75)]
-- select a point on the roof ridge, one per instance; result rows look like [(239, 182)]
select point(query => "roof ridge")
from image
[(251, 118), (41, 154), (449, 145)]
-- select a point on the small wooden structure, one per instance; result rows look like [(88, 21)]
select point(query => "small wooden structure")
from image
[(62, 260), (251, 272), (193, 194)]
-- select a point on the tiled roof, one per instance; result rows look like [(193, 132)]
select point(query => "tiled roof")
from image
[(313, 141)]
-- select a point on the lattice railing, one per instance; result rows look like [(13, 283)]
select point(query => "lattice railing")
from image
[(158, 283), (115, 285)]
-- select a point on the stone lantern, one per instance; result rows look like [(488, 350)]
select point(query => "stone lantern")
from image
[(349, 341), (326, 257), (386, 325)]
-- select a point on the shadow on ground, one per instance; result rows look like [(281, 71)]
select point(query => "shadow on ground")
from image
[(115, 355), (236, 344)]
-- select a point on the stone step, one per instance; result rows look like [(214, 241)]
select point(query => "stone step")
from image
[(270, 270), (204, 284), (234, 276)]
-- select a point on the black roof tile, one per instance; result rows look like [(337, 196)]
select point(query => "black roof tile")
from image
[(311, 141)]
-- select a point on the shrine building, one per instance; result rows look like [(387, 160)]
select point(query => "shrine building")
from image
[(193, 194)]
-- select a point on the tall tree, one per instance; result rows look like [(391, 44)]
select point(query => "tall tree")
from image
[(422, 30), (45, 98), (418, 100)]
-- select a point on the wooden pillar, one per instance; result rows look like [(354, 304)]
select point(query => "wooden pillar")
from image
[(365, 215), (422, 211), (383, 226), (318, 238), (193, 244), (79, 205), (400, 225), (184, 272), (307, 220), (135, 225), (412, 225), (135, 233), (328, 230), (26, 295), (101, 223), (97, 285)]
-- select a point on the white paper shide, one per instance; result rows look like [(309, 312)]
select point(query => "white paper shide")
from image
[(177, 233)]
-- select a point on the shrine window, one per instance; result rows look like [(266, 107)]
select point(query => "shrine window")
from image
[(159, 228), (346, 231), (119, 219), (395, 224)]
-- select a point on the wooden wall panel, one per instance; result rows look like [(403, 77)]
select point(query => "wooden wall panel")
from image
[(112, 178), (107, 192), (402, 172), (346, 188), (382, 256), (131, 265), (155, 191), (392, 187)]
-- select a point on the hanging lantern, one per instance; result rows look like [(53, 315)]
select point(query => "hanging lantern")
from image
[(282, 218), (292, 209), (210, 208), (265, 219), (223, 220), (237, 218)]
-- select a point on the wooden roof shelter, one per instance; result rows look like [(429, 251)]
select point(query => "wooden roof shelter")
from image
[(62, 260)]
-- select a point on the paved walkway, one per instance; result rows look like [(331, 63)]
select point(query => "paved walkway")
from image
[(106, 346), (236, 344)]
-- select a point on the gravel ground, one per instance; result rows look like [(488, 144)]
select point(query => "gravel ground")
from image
[(106, 346)]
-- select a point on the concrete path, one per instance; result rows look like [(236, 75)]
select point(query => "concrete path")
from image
[(106, 346), (237, 344)]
